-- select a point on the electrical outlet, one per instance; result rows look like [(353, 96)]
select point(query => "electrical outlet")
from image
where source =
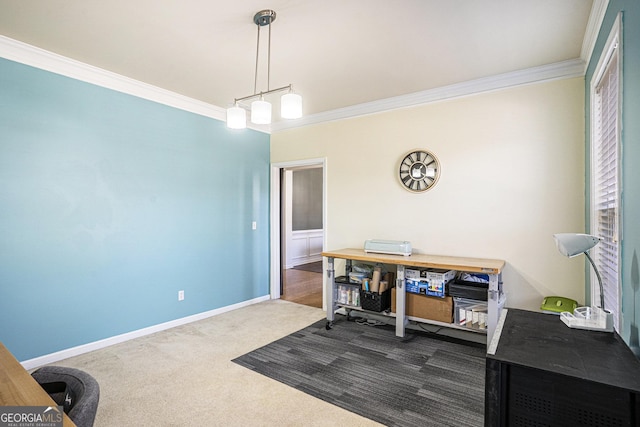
[(254, 225), (180, 295)]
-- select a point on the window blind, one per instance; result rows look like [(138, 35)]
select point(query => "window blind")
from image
[(605, 181)]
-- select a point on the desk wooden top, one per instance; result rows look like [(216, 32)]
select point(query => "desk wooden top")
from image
[(472, 265), (18, 388)]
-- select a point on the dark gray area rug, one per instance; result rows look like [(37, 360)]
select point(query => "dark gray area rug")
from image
[(419, 380)]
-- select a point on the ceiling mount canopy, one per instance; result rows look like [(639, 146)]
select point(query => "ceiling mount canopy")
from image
[(290, 102), (264, 17)]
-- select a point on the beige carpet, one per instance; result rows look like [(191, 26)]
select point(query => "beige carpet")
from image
[(184, 376)]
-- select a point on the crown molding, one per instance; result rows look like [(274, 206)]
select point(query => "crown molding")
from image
[(558, 70), (598, 10), (58, 64), (33, 56)]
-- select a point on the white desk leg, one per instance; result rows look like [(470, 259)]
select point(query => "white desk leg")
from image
[(401, 319), (330, 293), (495, 304)]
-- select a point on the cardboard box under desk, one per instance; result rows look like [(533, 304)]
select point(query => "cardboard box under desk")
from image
[(425, 307)]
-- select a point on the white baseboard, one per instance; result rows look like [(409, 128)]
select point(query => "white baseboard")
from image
[(302, 261), (96, 345)]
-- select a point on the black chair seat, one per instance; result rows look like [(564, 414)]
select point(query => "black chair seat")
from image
[(75, 390)]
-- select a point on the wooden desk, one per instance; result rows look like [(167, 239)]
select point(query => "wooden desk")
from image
[(471, 265), (18, 388), (492, 267), (541, 372)]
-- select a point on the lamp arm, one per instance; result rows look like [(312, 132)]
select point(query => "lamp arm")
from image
[(599, 279)]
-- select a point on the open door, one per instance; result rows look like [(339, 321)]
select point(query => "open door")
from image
[(298, 209)]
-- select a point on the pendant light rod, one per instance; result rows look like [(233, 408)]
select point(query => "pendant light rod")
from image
[(262, 18), (255, 79), (269, 57), (255, 95)]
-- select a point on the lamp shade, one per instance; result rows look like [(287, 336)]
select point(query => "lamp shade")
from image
[(236, 117), (291, 106), (261, 112), (572, 244)]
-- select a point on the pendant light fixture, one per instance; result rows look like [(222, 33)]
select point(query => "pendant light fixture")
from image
[(236, 117), (290, 103)]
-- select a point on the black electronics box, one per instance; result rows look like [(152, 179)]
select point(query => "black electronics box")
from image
[(374, 301), (469, 290)]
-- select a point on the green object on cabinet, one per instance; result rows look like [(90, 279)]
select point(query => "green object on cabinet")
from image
[(556, 305)]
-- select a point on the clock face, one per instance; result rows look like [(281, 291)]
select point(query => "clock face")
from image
[(419, 171)]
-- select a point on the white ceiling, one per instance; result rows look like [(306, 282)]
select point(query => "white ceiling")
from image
[(336, 53)]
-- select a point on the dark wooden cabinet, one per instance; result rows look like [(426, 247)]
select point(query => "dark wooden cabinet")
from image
[(543, 373)]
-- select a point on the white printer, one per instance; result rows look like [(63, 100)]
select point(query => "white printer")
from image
[(392, 247)]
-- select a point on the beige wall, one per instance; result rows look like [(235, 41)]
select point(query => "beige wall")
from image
[(512, 166)]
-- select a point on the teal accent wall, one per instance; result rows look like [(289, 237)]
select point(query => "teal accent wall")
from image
[(110, 204), (630, 156)]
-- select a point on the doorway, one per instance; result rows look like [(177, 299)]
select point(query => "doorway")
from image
[(298, 212)]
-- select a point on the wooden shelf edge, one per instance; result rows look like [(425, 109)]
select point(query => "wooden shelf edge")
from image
[(472, 265)]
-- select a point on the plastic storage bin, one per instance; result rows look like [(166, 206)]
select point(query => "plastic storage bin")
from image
[(348, 294), (470, 313)]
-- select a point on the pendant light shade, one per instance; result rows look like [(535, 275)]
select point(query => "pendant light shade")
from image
[(291, 106), (290, 103), (236, 117), (261, 112)]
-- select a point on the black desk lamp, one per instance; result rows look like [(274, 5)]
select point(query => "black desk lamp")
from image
[(592, 318)]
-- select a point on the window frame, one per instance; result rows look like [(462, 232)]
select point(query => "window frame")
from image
[(611, 52)]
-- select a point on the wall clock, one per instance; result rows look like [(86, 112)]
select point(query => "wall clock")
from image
[(419, 170)]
